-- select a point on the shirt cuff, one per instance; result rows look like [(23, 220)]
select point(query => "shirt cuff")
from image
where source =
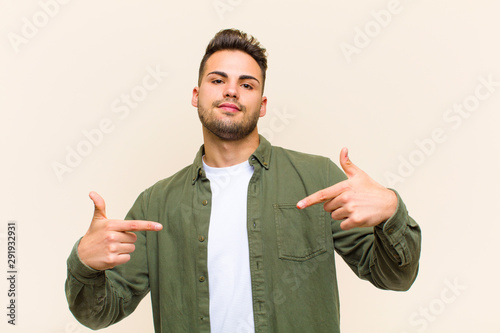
[(80, 270), (395, 227)]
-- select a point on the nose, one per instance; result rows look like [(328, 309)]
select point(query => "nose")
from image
[(231, 91)]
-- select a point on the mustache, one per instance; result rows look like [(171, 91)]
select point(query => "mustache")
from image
[(228, 100)]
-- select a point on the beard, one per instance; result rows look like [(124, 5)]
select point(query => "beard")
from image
[(228, 129)]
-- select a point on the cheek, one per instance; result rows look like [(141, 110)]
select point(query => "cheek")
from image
[(255, 104), (207, 97)]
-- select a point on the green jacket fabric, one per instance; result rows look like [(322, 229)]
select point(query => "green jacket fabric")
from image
[(292, 263)]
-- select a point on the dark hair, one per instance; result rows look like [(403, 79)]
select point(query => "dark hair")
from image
[(234, 39)]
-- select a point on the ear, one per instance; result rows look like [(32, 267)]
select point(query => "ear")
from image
[(194, 99), (263, 107)]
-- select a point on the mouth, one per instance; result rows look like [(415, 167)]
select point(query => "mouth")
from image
[(229, 107)]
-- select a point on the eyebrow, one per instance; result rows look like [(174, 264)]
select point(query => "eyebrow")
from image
[(242, 77)]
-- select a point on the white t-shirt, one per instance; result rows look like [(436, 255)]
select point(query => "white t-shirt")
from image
[(229, 280)]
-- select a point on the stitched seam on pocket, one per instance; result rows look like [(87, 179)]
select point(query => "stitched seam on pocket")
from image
[(315, 234)]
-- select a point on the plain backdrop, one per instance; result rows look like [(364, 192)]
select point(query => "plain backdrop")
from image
[(411, 87)]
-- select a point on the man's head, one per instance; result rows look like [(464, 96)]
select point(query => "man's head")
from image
[(233, 39), (229, 96)]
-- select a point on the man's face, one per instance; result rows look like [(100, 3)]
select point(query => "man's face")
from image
[(229, 98)]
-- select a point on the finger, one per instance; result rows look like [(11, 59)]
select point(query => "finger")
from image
[(340, 214), (126, 248), (348, 224), (129, 237), (119, 236), (349, 168), (315, 198), (323, 195), (135, 225), (121, 259), (340, 201), (352, 222), (99, 205), (122, 256)]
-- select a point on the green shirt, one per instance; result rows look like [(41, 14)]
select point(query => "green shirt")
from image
[(292, 263)]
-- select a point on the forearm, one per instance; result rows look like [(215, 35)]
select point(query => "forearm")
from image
[(93, 297), (396, 252)]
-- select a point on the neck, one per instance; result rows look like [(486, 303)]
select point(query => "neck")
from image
[(221, 153)]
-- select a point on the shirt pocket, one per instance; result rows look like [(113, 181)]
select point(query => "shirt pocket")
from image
[(300, 232)]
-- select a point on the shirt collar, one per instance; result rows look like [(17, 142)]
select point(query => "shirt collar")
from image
[(262, 155)]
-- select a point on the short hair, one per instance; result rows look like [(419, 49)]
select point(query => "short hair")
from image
[(234, 39)]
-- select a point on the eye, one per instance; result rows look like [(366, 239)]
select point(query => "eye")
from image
[(247, 86), (217, 81)]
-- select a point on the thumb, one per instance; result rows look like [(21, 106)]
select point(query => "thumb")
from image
[(349, 168), (99, 205)]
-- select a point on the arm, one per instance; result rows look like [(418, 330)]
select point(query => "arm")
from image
[(377, 237), (104, 282), (387, 255)]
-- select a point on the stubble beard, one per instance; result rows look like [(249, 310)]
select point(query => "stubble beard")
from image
[(227, 129)]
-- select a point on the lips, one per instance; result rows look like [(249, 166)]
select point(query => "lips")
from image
[(229, 107)]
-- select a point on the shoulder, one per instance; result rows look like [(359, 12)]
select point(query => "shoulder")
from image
[(154, 199), (298, 157), (166, 185), (307, 164)]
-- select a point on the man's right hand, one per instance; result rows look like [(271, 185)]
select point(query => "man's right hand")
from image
[(108, 243)]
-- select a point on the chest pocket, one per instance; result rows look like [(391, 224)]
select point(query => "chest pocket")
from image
[(301, 233)]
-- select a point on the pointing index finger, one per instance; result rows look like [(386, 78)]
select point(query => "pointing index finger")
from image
[(137, 225), (313, 199), (323, 195)]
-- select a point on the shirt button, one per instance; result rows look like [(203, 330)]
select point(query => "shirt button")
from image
[(265, 164), (201, 238), (202, 278), (204, 202), (200, 172)]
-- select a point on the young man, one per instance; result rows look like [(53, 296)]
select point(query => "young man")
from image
[(238, 242)]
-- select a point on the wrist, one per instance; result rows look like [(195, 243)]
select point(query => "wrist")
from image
[(391, 204)]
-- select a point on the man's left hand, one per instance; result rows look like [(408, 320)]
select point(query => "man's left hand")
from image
[(359, 201)]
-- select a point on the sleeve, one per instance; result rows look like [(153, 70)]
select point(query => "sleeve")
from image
[(388, 254), (98, 299)]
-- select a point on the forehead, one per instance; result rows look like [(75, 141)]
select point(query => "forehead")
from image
[(233, 62)]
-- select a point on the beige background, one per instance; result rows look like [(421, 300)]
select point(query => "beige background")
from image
[(67, 76)]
